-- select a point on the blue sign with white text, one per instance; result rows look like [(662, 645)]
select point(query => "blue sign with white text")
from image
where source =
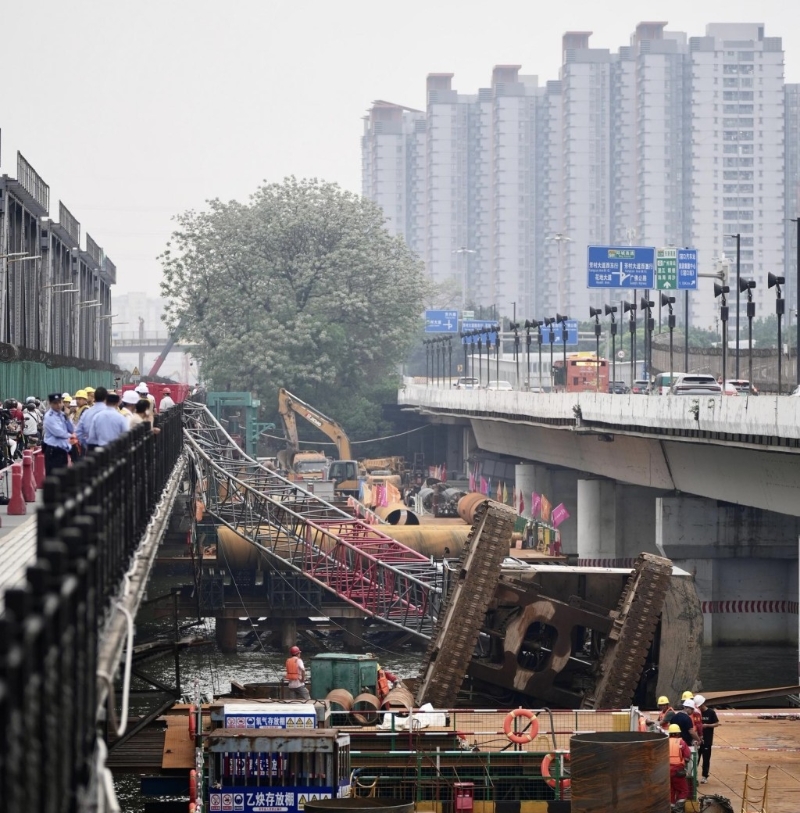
[(572, 332), (621, 267), (687, 269), (441, 321), (478, 324)]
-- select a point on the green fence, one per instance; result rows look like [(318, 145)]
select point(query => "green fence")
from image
[(19, 379)]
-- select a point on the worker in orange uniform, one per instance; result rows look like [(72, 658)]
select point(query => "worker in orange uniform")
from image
[(296, 675), (385, 683), (679, 754), (665, 711)]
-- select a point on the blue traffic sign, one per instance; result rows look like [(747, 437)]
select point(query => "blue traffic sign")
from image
[(687, 269), (621, 267), (478, 324), (441, 321), (572, 332)]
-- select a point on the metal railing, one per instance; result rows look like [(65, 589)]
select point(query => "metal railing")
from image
[(93, 250), (89, 526), (69, 223), (33, 183)]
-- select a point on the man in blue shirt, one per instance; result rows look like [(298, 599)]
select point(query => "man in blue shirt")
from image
[(85, 422), (108, 424), (59, 435)]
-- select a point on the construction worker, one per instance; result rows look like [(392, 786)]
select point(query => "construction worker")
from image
[(665, 710), (710, 722), (296, 675), (82, 398), (679, 754), (696, 715), (385, 683), (89, 395)]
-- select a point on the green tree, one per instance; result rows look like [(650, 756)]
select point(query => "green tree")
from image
[(302, 287)]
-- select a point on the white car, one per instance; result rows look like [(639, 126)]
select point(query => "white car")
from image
[(502, 386)]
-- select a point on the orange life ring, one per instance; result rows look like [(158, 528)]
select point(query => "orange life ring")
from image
[(192, 723), (546, 762), (192, 787), (523, 737)]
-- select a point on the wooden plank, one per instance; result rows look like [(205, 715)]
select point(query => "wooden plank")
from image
[(178, 747)]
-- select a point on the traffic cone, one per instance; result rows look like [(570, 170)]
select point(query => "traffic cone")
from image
[(28, 484), (16, 504), (38, 467)]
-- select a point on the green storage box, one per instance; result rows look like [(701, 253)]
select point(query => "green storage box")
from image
[(356, 673)]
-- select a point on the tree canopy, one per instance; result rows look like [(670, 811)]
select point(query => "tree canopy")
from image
[(302, 287)]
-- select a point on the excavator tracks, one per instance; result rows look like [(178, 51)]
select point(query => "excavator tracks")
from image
[(627, 644), (456, 632)]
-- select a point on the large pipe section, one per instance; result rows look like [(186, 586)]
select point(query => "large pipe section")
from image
[(468, 505), (620, 772), (397, 513)]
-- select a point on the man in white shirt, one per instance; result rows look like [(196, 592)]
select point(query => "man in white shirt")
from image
[(166, 400)]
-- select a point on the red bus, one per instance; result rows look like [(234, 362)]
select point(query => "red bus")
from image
[(583, 372)]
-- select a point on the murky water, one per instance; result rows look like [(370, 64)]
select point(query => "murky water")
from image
[(740, 667)]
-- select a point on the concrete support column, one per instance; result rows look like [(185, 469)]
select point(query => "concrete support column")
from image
[(525, 481), (288, 633), (353, 632), (225, 633), (597, 523)]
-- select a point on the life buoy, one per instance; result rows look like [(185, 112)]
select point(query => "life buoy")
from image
[(546, 762), (522, 737), (192, 787), (192, 723)]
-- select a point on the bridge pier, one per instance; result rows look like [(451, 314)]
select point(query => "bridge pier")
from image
[(226, 633), (353, 632), (744, 561), (616, 522)]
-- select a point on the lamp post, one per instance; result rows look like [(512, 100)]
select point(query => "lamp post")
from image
[(610, 310), (746, 286), (562, 320), (497, 349), (528, 354), (533, 323), (774, 281), (427, 344), (630, 307), (463, 337), (669, 301), (550, 322), (647, 305), (738, 238), (721, 291), (515, 326), (594, 313)]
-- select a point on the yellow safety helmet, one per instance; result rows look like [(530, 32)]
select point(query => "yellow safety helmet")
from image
[(663, 701), (82, 394), (88, 389), (379, 667), (687, 695), (674, 729)]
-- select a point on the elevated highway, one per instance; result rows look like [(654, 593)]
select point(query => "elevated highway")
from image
[(711, 483)]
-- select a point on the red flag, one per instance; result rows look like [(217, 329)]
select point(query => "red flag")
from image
[(521, 502), (536, 504), (560, 513)]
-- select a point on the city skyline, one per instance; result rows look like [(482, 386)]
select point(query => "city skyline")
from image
[(673, 139)]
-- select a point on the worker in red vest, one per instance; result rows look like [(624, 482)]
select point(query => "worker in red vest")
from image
[(385, 682), (296, 675), (665, 711), (679, 754)]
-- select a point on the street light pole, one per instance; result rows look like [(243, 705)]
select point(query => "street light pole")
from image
[(610, 310), (738, 238), (670, 301), (550, 322), (774, 281), (515, 327), (631, 307), (497, 350), (594, 313), (647, 306), (722, 290), (747, 285), (562, 319)]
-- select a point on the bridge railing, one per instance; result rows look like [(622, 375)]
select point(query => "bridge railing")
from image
[(88, 529)]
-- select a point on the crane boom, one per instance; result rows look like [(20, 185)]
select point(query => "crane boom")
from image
[(290, 405)]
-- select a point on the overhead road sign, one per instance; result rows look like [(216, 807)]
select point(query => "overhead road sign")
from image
[(441, 321), (478, 324), (687, 269), (667, 269), (572, 333), (621, 267)]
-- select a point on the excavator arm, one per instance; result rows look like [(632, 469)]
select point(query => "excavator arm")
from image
[(290, 405)]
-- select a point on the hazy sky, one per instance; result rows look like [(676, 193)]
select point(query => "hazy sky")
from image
[(135, 111)]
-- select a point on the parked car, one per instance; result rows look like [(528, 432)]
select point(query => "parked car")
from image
[(695, 384), (618, 388), (742, 386), (499, 385), (663, 382), (641, 387), (467, 383)]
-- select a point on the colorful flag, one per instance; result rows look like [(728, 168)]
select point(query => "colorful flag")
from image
[(546, 508), (560, 513), (484, 486), (521, 502), (505, 494), (499, 495), (536, 504), (471, 480)]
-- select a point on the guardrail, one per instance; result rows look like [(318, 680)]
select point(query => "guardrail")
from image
[(89, 527)]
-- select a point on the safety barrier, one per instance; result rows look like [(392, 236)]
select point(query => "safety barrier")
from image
[(89, 526)]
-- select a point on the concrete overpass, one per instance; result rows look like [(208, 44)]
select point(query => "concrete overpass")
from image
[(713, 483)]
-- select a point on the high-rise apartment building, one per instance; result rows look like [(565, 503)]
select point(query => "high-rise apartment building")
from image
[(792, 190), (669, 141)]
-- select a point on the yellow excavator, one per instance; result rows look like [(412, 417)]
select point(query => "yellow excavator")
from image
[(314, 465)]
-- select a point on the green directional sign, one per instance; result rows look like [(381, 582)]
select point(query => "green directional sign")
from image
[(667, 269)]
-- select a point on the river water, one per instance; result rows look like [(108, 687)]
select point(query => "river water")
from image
[(723, 668)]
